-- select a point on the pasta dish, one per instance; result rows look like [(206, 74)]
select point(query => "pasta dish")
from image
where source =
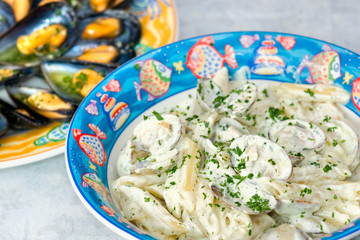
[(242, 160)]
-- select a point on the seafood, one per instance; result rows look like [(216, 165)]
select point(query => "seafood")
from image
[(21, 119), (20, 8), (210, 96), (296, 136), (13, 72), (73, 80), (252, 154), (7, 18), (48, 31), (100, 51), (157, 134), (4, 124), (121, 26), (34, 95), (284, 231)]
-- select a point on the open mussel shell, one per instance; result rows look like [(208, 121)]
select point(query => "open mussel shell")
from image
[(4, 124), (7, 18), (86, 7), (100, 51), (73, 80), (20, 8), (121, 26), (35, 96), (48, 31), (20, 119), (13, 72)]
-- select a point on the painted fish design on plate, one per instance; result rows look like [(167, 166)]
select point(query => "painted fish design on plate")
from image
[(92, 180), (266, 60), (91, 144), (204, 60), (116, 112), (324, 67), (154, 78), (355, 93)]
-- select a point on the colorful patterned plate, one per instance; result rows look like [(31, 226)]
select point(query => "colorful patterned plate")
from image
[(159, 25), (160, 79)]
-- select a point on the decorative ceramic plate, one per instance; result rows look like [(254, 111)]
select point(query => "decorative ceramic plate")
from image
[(159, 27), (160, 78)]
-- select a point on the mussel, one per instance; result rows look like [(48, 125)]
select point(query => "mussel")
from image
[(73, 80), (35, 96), (20, 8), (20, 119), (121, 26), (100, 51), (4, 124), (86, 7), (13, 72), (7, 18), (48, 31)]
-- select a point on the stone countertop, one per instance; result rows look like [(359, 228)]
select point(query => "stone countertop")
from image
[(37, 200)]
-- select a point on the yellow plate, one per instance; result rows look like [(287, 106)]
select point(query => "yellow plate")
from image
[(159, 27)]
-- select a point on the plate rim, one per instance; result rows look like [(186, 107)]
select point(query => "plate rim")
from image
[(345, 233)]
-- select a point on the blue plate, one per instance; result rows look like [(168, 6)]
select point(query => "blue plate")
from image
[(149, 79)]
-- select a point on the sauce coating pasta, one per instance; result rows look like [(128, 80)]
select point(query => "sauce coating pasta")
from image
[(242, 160)]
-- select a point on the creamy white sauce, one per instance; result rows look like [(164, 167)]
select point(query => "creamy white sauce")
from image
[(200, 194)]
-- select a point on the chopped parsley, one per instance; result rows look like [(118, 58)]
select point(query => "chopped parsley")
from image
[(158, 116), (311, 93), (258, 204), (327, 168)]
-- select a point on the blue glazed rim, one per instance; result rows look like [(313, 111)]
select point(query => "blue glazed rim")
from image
[(76, 165)]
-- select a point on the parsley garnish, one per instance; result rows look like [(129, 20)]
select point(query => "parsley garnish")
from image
[(311, 93), (258, 204), (158, 116)]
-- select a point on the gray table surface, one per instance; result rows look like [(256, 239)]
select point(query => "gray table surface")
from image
[(37, 200)]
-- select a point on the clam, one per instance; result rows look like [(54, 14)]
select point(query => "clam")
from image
[(73, 80), (252, 154), (297, 135), (243, 194), (14, 72), (342, 139), (48, 31), (21, 119), (7, 18), (289, 208), (4, 124), (211, 97), (100, 51), (282, 232), (34, 95), (157, 134), (228, 129), (132, 160)]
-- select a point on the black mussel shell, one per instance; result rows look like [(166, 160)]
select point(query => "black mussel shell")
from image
[(20, 119), (14, 72), (39, 19), (4, 124), (73, 80), (7, 18), (35, 96), (129, 26), (85, 50)]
